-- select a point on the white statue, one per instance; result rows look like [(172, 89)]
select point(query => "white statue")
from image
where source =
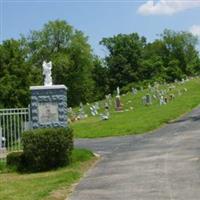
[(47, 72), (118, 92)]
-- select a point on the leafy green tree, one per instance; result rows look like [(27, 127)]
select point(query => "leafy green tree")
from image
[(123, 60), (100, 77), (71, 55), (180, 48), (16, 75), (171, 57)]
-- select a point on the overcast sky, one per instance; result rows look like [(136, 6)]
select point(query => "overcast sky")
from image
[(101, 18)]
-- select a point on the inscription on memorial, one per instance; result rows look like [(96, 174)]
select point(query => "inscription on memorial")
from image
[(48, 112)]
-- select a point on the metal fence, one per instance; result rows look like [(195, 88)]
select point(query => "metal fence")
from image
[(12, 123)]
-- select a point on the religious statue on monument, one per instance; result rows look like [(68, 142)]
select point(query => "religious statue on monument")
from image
[(47, 72)]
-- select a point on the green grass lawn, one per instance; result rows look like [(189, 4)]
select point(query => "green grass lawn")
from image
[(143, 118), (52, 185)]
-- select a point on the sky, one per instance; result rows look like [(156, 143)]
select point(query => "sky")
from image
[(101, 18)]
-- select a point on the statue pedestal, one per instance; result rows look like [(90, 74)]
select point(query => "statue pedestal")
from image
[(48, 106)]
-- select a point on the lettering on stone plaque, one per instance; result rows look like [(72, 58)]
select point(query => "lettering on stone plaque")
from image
[(48, 112)]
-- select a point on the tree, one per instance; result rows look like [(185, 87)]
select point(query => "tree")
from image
[(16, 75), (180, 48), (171, 57), (123, 60), (71, 55), (100, 77)]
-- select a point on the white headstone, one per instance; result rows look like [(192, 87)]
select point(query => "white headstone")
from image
[(118, 91)]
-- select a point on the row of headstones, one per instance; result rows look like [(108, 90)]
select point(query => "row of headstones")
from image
[(163, 96), (153, 94)]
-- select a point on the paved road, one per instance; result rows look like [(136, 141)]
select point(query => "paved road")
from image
[(164, 164)]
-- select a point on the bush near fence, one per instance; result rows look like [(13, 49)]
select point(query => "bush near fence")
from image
[(43, 149)]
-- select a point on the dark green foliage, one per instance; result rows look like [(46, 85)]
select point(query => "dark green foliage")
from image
[(16, 75), (15, 160), (101, 79), (46, 149), (123, 60), (71, 55)]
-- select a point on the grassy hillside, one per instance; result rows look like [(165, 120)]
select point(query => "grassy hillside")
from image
[(142, 118)]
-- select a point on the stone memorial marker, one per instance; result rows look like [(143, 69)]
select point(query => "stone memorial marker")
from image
[(82, 114), (93, 110), (118, 105), (106, 114), (144, 100), (162, 101), (148, 99), (134, 91), (48, 102), (171, 97)]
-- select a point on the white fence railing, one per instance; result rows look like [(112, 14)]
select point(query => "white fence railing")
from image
[(12, 123)]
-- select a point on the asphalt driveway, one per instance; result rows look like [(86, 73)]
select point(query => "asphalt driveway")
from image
[(164, 164)]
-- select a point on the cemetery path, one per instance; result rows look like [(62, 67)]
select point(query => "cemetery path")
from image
[(164, 164)]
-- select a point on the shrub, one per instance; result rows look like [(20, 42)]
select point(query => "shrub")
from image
[(46, 149), (15, 160)]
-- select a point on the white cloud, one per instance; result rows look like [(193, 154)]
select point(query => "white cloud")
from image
[(195, 30), (166, 7)]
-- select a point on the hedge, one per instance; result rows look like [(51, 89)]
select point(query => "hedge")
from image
[(45, 149)]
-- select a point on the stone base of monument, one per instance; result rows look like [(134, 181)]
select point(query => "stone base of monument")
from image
[(48, 106)]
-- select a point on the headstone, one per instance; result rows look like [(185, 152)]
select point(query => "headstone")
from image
[(106, 106), (97, 106), (106, 114), (48, 102), (118, 91), (144, 100), (148, 99), (182, 80), (109, 99), (162, 101), (134, 91), (93, 110), (118, 105), (171, 97), (82, 114), (154, 96)]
